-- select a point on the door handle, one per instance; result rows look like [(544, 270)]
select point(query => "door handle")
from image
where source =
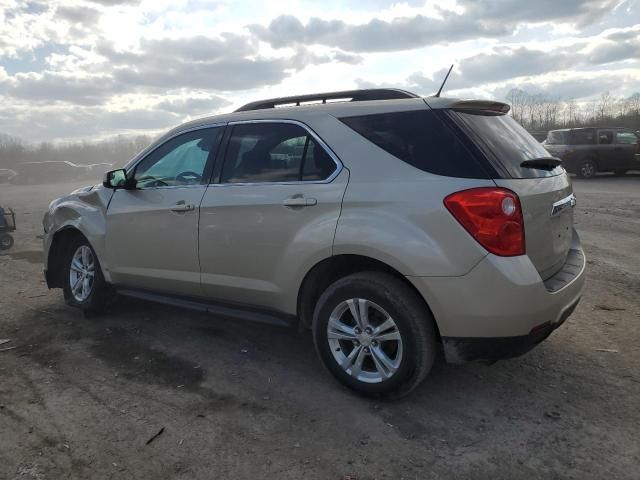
[(183, 207), (299, 202)]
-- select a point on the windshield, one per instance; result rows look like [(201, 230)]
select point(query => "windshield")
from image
[(505, 143)]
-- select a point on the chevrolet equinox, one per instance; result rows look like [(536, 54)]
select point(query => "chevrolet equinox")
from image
[(391, 225)]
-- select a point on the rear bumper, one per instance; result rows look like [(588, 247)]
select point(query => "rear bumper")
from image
[(501, 308), (491, 349)]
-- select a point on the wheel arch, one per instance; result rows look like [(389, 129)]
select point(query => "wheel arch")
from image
[(80, 213), (331, 269), (55, 256)]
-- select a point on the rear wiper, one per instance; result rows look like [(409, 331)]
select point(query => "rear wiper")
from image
[(542, 163)]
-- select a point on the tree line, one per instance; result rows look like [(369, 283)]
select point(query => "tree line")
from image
[(536, 112), (117, 150), (539, 112)]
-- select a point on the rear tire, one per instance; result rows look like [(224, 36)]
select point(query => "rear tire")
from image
[(84, 285), (6, 241), (391, 352), (587, 169)]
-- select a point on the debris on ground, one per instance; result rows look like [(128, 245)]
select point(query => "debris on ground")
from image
[(607, 350), (7, 349), (609, 308), (160, 432), (4, 340)]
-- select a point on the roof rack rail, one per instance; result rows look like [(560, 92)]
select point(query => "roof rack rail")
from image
[(347, 95)]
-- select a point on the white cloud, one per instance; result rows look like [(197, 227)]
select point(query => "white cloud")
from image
[(74, 68)]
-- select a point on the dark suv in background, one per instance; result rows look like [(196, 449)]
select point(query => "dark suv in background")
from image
[(586, 151)]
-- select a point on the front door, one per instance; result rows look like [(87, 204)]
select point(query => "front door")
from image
[(271, 216), (152, 230)]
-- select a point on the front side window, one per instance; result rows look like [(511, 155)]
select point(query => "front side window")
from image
[(274, 152), (626, 138), (179, 162), (556, 137)]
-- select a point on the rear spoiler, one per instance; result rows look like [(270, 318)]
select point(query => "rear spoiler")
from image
[(483, 107)]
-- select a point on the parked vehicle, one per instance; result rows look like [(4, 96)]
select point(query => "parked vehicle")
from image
[(391, 225), (7, 225), (6, 175), (52, 171), (539, 135), (586, 151)]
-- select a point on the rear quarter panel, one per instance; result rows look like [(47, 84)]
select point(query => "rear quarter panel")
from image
[(394, 212)]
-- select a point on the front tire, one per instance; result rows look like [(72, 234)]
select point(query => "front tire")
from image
[(84, 285), (6, 241), (374, 334)]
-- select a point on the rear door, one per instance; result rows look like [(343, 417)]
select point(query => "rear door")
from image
[(152, 230), (270, 214), (546, 194), (608, 158)]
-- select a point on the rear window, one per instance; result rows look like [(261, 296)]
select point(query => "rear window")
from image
[(627, 138), (583, 137), (420, 139), (505, 143), (556, 138)]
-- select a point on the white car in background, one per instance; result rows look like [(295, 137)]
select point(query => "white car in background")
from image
[(6, 175)]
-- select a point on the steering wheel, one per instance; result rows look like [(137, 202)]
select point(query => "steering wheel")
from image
[(152, 182), (188, 177)]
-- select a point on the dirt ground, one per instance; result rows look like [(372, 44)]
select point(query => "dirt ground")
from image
[(82, 398)]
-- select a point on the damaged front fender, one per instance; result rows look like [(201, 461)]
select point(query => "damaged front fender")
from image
[(85, 211)]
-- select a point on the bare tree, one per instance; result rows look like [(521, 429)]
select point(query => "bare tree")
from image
[(633, 104), (604, 106), (570, 113), (517, 98), (12, 150)]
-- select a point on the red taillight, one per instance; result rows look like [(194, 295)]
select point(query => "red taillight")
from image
[(492, 216)]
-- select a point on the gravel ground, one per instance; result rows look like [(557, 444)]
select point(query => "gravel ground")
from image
[(83, 398)]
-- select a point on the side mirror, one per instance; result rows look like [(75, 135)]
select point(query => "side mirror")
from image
[(116, 179)]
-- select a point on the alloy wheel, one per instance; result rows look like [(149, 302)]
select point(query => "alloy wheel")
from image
[(364, 340), (82, 273)]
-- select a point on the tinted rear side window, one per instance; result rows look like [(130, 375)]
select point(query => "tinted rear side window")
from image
[(506, 143), (421, 139)]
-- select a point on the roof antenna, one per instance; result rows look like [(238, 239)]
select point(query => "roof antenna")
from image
[(444, 81)]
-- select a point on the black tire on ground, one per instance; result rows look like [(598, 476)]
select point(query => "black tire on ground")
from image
[(100, 291), (620, 171), (6, 241), (407, 309), (587, 169)]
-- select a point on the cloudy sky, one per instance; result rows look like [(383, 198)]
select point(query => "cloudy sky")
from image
[(89, 69)]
